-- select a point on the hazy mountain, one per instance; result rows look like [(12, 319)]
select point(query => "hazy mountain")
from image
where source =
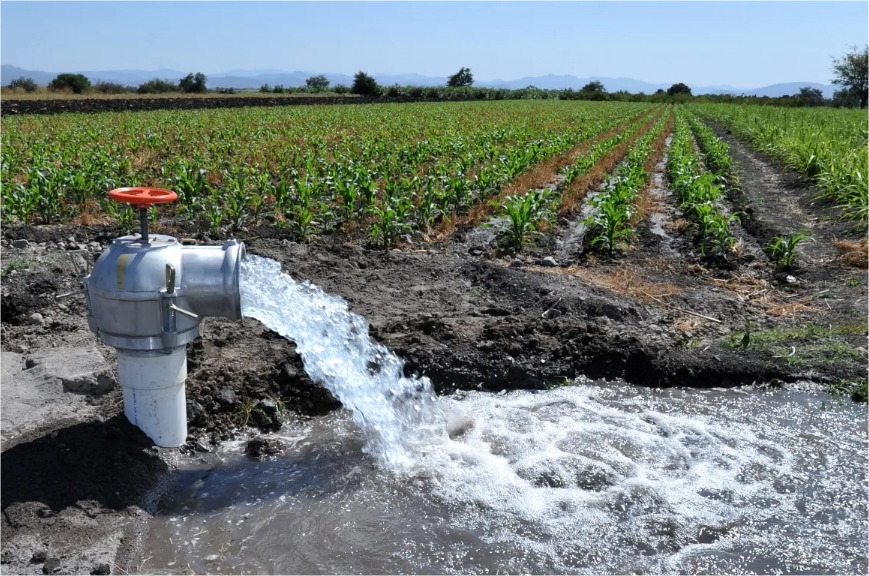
[(9, 73), (792, 88), (256, 78)]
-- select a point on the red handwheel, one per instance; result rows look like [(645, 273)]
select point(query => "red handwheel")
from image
[(142, 197)]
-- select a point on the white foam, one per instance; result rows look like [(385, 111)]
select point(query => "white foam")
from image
[(588, 466)]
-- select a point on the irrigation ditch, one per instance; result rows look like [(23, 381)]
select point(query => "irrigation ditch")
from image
[(463, 311)]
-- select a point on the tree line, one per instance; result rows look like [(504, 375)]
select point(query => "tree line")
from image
[(80, 84), (849, 72)]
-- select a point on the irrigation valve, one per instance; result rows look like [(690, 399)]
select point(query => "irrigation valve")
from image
[(146, 297)]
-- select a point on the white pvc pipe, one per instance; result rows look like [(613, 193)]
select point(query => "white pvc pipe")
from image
[(154, 393)]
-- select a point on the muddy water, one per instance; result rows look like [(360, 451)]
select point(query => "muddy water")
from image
[(588, 478)]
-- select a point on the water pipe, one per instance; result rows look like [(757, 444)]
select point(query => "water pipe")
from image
[(146, 297)]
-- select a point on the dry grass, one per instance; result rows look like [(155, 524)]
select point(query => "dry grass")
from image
[(789, 309), (746, 287), (625, 281), (677, 225), (90, 213), (853, 253), (686, 324), (758, 291)]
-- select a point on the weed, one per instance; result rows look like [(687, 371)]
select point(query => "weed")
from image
[(801, 344), (245, 410), (856, 390), (745, 342), (18, 264), (553, 383)]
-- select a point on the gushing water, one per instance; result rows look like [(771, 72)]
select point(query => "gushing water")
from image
[(583, 479), (391, 409), (591, 478)]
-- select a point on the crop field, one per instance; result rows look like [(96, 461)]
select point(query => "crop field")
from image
[(395, 169), (311, 170)]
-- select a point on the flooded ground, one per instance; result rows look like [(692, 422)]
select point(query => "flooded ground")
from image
[(589, 478)]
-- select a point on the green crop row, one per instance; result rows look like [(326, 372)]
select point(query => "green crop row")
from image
[(585, 162), (527, 211), (699, 191), (311, 169), (827, 145), (615, 205), (716, 152)]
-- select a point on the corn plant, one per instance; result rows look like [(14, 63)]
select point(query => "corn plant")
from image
[(190, 185), (716, 152), (526, 212), (784, 248), (699, 191), (256, 164), (390, 220), (611, 222), (614, 206)]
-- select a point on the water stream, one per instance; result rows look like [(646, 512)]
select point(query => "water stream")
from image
[(393, 411), (596, 477)]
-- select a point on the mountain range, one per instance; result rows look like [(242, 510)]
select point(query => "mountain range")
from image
[(241, 79)]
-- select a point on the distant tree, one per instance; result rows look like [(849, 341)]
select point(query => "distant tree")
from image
[(265, 88), (852, 72), (659, 92), (678, 89), (112, 88), (340, 89), (845, 98), (193, 83), (278, 89), (157, 86), (365, 85), (26, 84), (461, 78), (809, 96), (78, 83), (318, 82), (593, 86)]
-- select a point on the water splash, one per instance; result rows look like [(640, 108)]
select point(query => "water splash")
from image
[(392, 410)]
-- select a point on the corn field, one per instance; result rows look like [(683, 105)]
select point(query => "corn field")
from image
[(826, 145), (310, 169)]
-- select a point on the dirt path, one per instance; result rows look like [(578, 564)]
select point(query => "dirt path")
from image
[(464, 314), (778, 202)]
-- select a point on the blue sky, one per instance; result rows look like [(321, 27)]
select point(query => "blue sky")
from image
[(745, 45)]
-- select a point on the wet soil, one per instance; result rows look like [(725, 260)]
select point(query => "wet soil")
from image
[(465, 314)]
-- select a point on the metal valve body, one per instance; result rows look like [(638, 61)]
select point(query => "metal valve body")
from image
[(146, 297), (152, 295)]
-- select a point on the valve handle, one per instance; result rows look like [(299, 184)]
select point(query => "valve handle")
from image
[(143, 196)]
